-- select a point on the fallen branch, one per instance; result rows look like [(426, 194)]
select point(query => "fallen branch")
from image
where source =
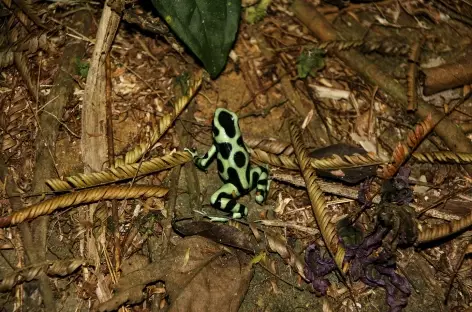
[(447, 76)]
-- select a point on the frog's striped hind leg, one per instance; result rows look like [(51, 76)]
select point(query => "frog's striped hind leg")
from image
[(260, 181), (225, 200)]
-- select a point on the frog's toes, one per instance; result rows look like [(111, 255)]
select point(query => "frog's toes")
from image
[(262, 191), (218, 219), (238, 215), (192, 152), (259, 198)]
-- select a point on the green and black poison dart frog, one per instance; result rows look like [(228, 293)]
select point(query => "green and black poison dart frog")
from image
[(235, 171)]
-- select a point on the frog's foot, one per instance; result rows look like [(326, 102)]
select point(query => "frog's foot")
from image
[(262, 191), (219, 219), (212, 219), (231, 206), (262, 181), (224, 199), (193, 153)]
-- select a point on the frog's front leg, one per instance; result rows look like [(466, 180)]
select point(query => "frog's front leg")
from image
[(203, 162), (225, 199), (260, 181)]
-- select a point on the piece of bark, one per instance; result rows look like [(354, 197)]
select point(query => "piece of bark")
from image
[(447, 76), (94, 126), (94, 141)]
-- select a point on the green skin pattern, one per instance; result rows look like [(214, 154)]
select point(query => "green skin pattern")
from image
[(234, 169)]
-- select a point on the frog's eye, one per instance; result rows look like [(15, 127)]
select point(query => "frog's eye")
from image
[(227, 122)]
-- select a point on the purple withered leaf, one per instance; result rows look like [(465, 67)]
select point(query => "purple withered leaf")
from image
[(398, 190), (363, 191), (401, 180), (375, 270), (321, 285), (317, 266)]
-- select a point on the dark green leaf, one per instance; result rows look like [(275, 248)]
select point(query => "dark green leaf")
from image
[(309, 62), (82, 67), (257, 12), (207, 27)]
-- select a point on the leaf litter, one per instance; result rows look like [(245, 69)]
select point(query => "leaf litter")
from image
[(212, 271)]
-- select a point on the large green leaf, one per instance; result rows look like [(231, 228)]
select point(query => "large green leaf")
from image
[(207, 27)]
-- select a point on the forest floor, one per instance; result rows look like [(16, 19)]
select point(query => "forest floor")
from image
[(159, 252)]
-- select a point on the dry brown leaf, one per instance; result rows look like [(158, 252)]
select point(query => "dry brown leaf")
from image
[(211, 280)]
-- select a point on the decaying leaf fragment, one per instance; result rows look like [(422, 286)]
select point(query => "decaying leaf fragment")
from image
[(211, 279), (220, 233)]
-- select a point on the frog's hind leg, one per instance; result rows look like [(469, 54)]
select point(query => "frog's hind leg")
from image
[(260, 181), (225, 200)]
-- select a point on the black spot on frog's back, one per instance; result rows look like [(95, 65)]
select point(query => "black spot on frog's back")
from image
[(240, 159), (225, 149), (227, 122)]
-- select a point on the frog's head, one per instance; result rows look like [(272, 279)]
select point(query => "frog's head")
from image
[(225, 125)]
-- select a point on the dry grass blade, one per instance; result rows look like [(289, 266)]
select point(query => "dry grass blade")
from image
[(28, 11), (347, 161), (318, 202), (385, 46), (13, 122), (64, 267), (420, 132), (19, 14), (288, 162), (403, 151), (340, 45), (400, 154), (328, 163), (412, 76), (443, 230), (270, 146), (444, 157), (21, 63), (123, 172), (81, 197), (164, 124), (29, 44), (51, 268), (376, 45)]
